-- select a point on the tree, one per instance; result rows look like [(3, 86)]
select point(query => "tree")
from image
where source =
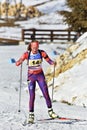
[(76, 16)]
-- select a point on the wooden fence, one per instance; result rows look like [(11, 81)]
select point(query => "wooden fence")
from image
[(45, 35)]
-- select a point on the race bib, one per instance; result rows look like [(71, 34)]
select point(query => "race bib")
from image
[(35, 62)]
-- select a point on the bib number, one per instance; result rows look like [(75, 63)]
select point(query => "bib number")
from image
[(35, 62)]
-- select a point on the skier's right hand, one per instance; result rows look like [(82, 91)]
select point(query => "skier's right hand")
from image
[(13, 60)]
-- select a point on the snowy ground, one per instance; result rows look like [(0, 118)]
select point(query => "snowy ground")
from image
[(72, 82), (10, 118)]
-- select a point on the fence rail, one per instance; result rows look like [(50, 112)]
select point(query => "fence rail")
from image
[(47, 35)]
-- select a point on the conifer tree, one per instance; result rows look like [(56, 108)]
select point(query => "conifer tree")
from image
[(76, 16)]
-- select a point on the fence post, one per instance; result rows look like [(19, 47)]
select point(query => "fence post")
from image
[(51, 36), (34, 32), (69, 35), (22, 34)]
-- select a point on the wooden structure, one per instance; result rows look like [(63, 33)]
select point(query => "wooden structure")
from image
[(45, 35), (9, 41)]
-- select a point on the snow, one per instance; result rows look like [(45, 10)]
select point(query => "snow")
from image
[(83, 38), (71, 85), (52, 6)]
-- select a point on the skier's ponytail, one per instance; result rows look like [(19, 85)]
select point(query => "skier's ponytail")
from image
[(29, 47)]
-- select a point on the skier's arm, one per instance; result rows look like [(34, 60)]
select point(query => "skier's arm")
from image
[(47, 58), (22, 58)]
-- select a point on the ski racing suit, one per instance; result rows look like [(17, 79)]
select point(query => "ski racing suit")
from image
[(36, 74)]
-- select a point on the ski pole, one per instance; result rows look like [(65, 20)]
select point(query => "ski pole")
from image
[(20, 88), (12, 60), (53, 81)]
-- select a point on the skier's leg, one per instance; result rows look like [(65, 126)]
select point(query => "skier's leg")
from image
[(43, 86), (31, 88)]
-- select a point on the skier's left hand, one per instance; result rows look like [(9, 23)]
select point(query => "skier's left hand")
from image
[(55, 63)]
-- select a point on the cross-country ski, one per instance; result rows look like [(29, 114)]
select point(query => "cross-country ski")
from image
[(59, 120)]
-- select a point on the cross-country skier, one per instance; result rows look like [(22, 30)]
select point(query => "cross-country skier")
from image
[(34, 58)]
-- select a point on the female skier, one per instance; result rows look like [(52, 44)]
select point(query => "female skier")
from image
[(34, 58)]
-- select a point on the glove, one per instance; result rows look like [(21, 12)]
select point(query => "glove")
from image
[(13, 60), (55, 63), (55, 52)]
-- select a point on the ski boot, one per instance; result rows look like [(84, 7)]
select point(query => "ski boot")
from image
[(52, 114), (31, 118)]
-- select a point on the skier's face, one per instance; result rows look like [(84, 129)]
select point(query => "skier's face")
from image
[(34, 50), (34, 47)]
